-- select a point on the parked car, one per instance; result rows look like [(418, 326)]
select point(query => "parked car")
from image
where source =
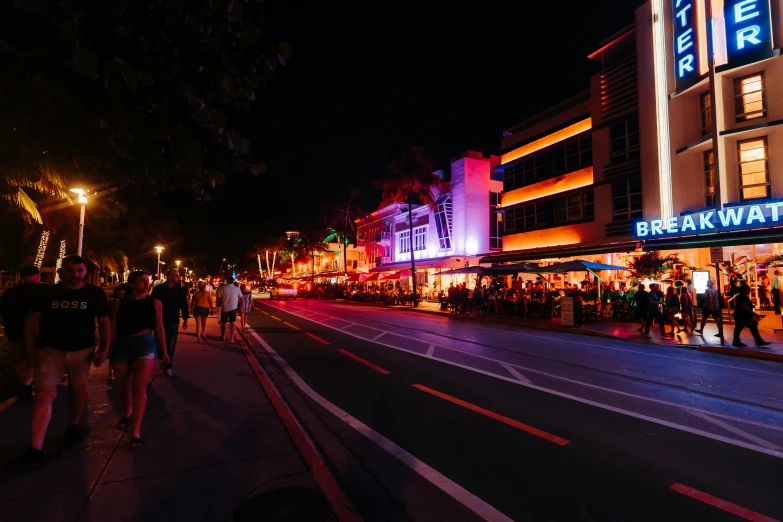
[(283, 291)]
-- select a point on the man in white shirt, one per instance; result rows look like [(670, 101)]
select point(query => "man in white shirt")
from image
[(228, 298), (692, 296)]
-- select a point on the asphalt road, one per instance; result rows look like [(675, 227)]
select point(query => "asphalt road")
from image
[(548, 426)]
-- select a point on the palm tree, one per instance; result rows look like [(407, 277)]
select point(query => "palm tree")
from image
[(411, 179), (344, 214), (310, 243), (21, 189)]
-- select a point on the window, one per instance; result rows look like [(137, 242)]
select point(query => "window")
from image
[(574, 207), (624, 139), (754, 168), (749, 102), (709, 178), (526, 217), (405, 242), (574, 155), (627, 199), (443, 222), (420, 238), (705, 106), (496, 223)]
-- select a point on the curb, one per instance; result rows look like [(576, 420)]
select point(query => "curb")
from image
[(339, 501), (734, 352)]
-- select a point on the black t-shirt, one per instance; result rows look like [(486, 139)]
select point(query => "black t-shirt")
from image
[(135, 315), (68, 316), (15, 304)]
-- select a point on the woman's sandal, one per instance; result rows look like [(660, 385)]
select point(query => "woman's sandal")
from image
[(123, 423), (135, 443)]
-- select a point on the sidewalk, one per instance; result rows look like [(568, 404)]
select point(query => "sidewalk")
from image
[(626, 330), (211, 439)]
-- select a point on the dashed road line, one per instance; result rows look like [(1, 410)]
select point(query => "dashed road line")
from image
[(733, 429), (719, 503), (317, 338), (513, 371), (292, 326), (430, 350), (364, 361)]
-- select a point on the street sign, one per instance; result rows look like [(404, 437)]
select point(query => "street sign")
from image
[(567, 311), (716, 254)]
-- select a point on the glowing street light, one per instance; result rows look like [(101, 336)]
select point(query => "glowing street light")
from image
[(82, 200), (159, 249)]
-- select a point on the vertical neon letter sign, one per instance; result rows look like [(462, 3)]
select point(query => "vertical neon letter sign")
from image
[(687, 44), (748, 31)]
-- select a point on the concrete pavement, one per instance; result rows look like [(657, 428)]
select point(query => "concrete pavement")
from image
[(211, 440)]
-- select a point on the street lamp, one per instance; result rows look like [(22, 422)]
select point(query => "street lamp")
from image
[(159, 249), (82, 199)]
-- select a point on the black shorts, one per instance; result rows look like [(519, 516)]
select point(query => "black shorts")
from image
[(715, 314), (228, 317)]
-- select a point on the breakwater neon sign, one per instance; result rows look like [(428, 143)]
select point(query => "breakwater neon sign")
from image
[(748, 30), (738, 217), (688, 26)]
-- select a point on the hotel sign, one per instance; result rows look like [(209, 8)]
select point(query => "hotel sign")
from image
[(748, 31), (687, 17), (740, 217)]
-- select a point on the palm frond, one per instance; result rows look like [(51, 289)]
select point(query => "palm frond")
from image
[(29, 210)]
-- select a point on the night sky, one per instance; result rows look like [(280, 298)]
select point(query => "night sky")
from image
[(369, 77)]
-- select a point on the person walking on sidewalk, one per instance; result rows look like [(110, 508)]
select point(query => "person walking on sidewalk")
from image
[(642, 299), (15, 305), (246, 305), (134, 320), (228, 299), (693, 300), (711, 308), (117, 295), (174, 301), (655, 301), (686, 309), (60, 338), (202, 305), (744, 316)]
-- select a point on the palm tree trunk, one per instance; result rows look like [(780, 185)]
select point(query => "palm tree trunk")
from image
[(410, 239), (345, 249), (293, 264)]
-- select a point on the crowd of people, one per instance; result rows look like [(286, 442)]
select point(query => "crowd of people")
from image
[(51, 330)]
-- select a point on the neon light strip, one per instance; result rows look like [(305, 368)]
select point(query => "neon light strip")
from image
[(701, 28), (550, 139), (662, 108)]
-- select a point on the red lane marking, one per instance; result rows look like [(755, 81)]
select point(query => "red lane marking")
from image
[(317, 338), (506, 420), (275, 318), (292, 326), (265, 313), (365, 362), (734, 509)]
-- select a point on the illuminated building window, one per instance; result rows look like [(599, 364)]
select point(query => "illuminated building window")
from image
[(627, 199), (574, 207), (560, 159), (573, 155), (420, 238), (496, 222), (443, 221), (709, 178), (404, 244), (624, 139), (749, 99), (705, 107), (754, 168), (527, 217)]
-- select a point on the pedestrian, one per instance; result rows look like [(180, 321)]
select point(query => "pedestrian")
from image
[(60, 338), (492, 297), (117, 295), (202, 305), (478, 300), (15, 305), (228, 299), (672, 308), (711, 308), (693, 301), (453, 298), (137, 321), (246, 305), (641, 298), (174, 301), (686, 310), (464, 298), (744, 316), (654, 304)]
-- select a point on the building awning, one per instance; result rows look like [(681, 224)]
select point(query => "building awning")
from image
[(438, 262), (534, 254)]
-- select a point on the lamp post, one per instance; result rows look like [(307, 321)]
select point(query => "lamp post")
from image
[(159, 249), (82, 199)]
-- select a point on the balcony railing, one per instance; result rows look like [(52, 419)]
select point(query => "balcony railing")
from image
[(383, 236), (382, 261)]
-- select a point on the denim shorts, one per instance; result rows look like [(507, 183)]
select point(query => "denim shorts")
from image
[(128, 350), (200, 311)]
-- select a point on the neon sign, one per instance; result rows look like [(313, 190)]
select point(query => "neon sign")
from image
[(710, 221), (748, 31), (687, 44)]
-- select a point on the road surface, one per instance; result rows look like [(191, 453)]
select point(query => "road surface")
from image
[(530, 425)]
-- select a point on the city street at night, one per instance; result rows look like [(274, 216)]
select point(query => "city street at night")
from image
[(533, 425)]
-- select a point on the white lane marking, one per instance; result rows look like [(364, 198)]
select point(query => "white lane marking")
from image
[(733, 429), (515, 373), (430, 350), (454, 490), (734, 442), (378, 336), (513, 332)]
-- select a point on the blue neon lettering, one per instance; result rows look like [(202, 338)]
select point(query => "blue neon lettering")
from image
[(754, 214), (748, 34), (705, 220), (685, 65), (684, 41), (655, 226), (681, 15), (642, 229), (774, 208), (688, 224), (677, 4), (731, 216), (741, 10), (671, 225)]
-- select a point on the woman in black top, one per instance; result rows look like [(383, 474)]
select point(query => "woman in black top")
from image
[(135, 319)]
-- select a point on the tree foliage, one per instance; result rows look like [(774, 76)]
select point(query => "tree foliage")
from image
[(651, 265), (129, 92)]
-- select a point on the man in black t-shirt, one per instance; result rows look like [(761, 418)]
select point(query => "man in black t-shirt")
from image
[(60, 337), (174, 300), (15, 305)]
